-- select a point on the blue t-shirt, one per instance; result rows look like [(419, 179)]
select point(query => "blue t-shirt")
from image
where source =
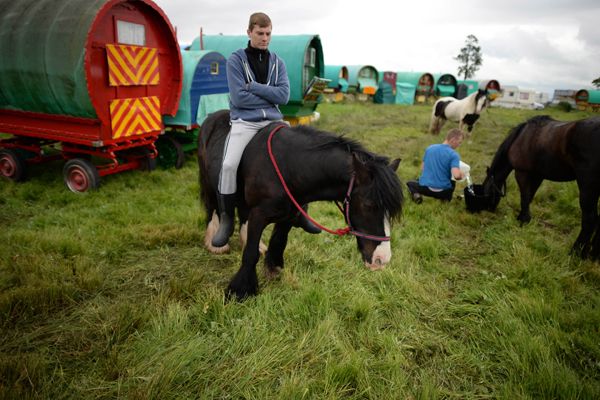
[(438, 160)]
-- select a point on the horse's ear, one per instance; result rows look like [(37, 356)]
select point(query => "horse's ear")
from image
[(361, 170), (394, 164)]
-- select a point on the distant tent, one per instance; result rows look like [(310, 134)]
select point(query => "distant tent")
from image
[(445, 85), (405, 93), (422, 81), (461, 91), (338, 75), (471, 85), (384, 94)]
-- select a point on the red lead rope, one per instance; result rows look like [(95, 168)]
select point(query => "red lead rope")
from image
[(339, 232)]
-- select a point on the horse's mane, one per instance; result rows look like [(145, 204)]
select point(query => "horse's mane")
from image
[(501, 156), (325, 141), (385, 190)]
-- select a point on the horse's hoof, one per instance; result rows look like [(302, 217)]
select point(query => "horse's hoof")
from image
[(272, 273), (239, 294), (217, 250), (241, 289), (375, 266)]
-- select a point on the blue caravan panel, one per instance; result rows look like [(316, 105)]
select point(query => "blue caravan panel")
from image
[(204, 75)]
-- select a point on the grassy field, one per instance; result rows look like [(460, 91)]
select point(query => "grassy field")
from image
[(110, 294)]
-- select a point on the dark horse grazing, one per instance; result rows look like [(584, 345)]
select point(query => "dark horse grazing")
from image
[(543, 148), (316, 166)]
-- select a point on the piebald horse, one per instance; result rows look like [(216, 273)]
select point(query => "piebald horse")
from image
[(465, 111)]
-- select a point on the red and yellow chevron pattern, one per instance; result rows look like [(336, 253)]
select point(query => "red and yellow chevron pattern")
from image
[(135, 116), (132, 65)]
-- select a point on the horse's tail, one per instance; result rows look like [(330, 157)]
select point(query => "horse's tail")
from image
[(214, 124)]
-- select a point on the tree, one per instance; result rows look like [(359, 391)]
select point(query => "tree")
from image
[(596, 82), (469, 58)]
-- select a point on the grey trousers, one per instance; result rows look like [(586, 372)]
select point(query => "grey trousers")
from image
[(239, 136)]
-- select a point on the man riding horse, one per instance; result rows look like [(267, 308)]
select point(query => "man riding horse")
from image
[(258, 83)]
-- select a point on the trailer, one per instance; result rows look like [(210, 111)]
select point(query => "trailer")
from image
[(87, 82)]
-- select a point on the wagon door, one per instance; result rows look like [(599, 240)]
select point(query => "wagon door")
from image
[(133, 69)]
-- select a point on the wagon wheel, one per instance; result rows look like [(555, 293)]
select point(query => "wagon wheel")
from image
[(12, 165), (170, 152), (147, 163), (81, 175)]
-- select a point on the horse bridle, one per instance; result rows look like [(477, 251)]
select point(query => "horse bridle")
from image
[(498, 190), (345, 209)]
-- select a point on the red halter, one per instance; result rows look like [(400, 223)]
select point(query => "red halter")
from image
[(345, 210)]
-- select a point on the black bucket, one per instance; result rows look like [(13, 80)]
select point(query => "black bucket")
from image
[(477, 201)]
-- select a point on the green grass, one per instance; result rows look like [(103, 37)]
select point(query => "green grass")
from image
[(110, 294)]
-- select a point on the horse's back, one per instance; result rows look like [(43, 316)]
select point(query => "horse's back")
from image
[(441, 105), (556, 149)]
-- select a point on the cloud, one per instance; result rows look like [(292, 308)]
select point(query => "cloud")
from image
[(534, 43)]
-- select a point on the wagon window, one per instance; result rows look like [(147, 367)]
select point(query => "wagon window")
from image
[(214, 68), (130, 33), (310, 57), (367, 73)]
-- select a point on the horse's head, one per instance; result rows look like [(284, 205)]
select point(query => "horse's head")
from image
[(493, 188), (375, 200)]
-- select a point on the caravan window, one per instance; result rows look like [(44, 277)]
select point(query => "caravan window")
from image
[(310, 57), (130, 33)]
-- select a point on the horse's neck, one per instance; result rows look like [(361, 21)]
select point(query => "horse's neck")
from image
[(329, 180), (472, 104), (501, 168)]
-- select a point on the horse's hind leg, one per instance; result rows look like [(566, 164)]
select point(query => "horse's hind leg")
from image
[(436, 125), (211, 229), (245, 281), (528, 185), (585, 245), (277, 243), (212, 223)]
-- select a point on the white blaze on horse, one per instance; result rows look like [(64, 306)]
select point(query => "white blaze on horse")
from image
[(465, 111)]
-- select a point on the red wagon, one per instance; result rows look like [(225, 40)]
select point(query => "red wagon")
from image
[(86, 81)]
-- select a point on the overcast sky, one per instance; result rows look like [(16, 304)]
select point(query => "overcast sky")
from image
[(534, 44)]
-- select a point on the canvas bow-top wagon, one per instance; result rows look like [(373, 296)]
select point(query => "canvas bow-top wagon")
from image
[(85, 81)]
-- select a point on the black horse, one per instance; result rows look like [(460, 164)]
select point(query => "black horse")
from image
[(316, 166), (544, 148)]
